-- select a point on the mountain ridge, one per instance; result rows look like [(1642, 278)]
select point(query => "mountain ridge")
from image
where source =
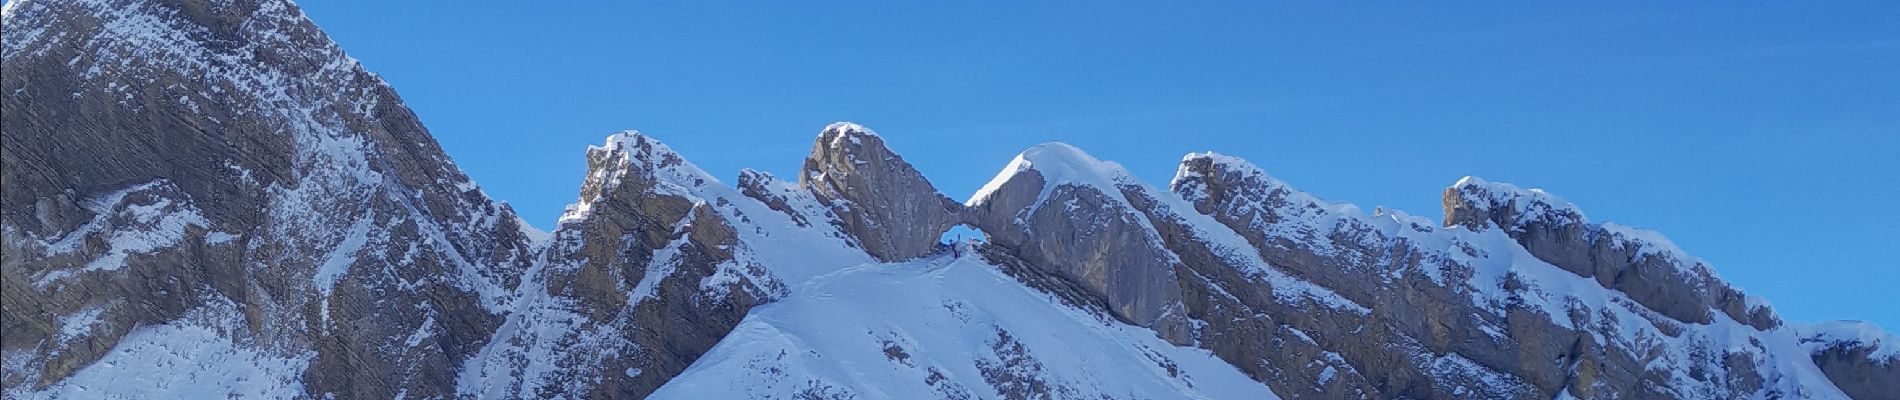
[(268, 202)]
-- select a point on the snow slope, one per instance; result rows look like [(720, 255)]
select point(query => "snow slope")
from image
[(946, 327)]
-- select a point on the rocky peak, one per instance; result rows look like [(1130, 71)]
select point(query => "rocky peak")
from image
[(639, 187), (1068, 214), (645, 274), (881, 200), (1210, 179), (638, 162), (1475, 203)]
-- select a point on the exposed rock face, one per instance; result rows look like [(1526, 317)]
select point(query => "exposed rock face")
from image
[(641, 279), (1483, 316), (1850, 369), (1858, 357), (1431, 336), (887, 205), (1081, 228), (223, 170), (1636, 262)]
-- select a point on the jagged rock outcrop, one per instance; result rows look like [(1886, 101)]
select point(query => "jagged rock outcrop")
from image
[(1636, 262), (1468, 297), (879, 198), (641, 278), (1436, 339), (1857, 356), (218, 181)]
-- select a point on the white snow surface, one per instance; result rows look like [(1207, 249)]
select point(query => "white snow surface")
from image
[(1059, 164), (202, 356), (930, 328)]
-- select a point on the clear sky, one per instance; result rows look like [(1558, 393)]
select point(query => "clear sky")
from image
[(1761, 136)]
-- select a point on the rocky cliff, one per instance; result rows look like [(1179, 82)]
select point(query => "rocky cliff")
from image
[(214, 194), (209, 199), (1473, 310), (892, 211)]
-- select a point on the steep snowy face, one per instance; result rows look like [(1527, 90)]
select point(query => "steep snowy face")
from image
[(218, 181), (892, 211), (1476, 303), (950, 326)]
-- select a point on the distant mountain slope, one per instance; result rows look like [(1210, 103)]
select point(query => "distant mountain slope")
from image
[(209, 199)]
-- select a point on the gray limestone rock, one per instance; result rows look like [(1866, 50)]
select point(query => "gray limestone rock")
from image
[(1636, 262), (881, 200), (620, 288), (1089, 235), (1427, 299), (225, 166), (1856, 356)]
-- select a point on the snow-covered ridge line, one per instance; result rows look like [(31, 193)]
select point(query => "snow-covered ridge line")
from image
[(1496, 261), (1526, 205), (1059, 164), (1529, 204), (1671, 280), (1533, 205), (1883, 346), (631, 152), (1241, 165), (846, 130), (1537, 204), (949, 322)]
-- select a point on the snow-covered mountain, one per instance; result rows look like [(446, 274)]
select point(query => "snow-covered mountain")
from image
[(210, 199)]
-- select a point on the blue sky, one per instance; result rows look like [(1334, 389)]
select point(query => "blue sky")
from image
[(1760, 136)]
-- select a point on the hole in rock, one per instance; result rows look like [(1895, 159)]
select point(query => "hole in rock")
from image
[(962, 233)]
